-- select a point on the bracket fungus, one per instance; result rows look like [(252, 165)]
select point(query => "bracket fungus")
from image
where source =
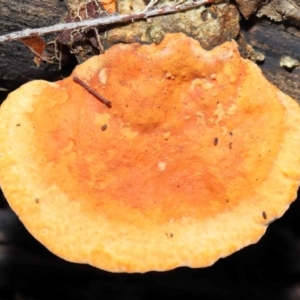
[(196, 155)]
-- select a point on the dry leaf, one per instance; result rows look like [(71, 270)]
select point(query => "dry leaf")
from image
[(280, 10), (37, 46), (248, 7)]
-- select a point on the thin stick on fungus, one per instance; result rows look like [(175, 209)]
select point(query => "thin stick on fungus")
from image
[(93, 92)]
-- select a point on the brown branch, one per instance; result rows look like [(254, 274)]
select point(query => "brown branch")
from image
[(91, 91), (108, 20)]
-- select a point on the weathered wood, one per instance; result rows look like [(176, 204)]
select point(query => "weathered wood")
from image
[(276, 40), (102, 21), (17, 66), (16, 61)]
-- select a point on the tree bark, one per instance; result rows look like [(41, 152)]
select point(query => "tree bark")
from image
[(274, 40), (16, 64)]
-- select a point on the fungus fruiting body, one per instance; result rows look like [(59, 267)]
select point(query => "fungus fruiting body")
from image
[(197, 153)]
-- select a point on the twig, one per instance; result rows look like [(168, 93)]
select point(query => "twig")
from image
[(93, 92), (108, 20)]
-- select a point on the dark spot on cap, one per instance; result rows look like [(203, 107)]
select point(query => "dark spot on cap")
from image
[(216, 140), (264, 214), (169, 235), (230, 145), (104, 127), (37, 200), (18, 124), (230, 133)]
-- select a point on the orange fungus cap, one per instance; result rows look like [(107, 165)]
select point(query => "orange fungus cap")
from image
[(196, 155)]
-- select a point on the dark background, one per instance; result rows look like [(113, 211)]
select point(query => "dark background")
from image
[(269, 269)]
